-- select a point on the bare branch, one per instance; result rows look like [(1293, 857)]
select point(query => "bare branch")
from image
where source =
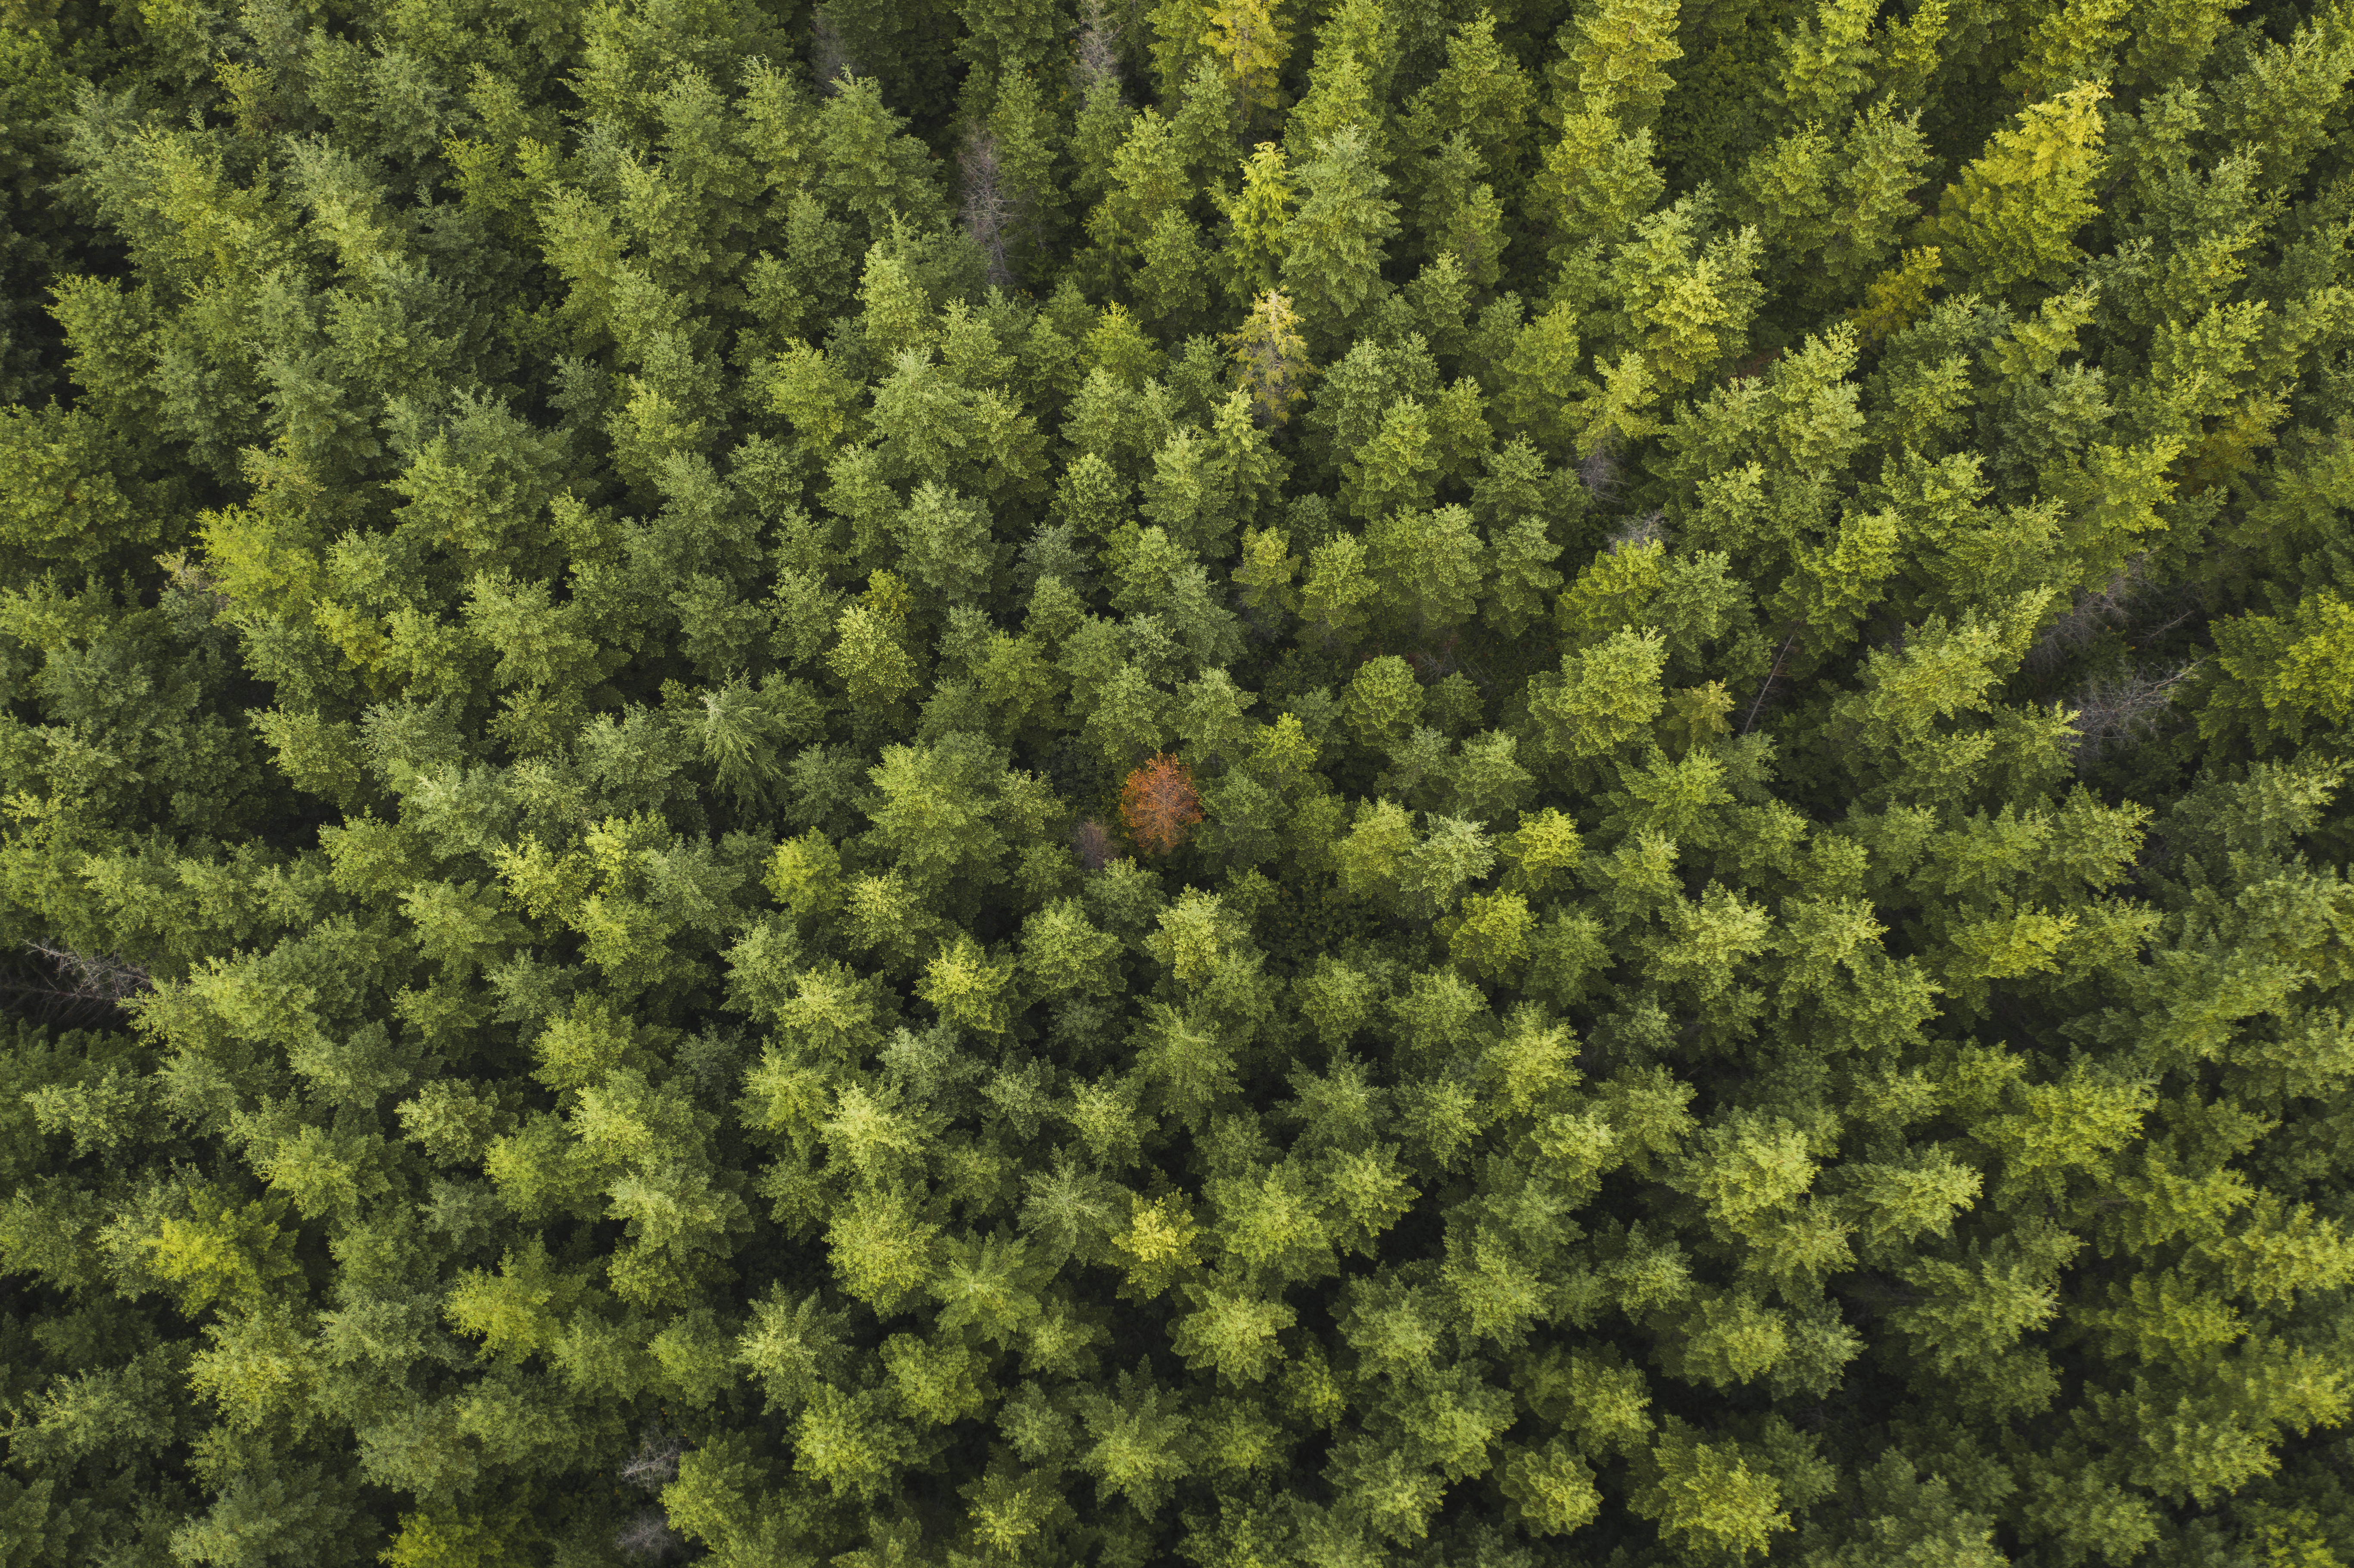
[(2111, 711), (988, 212), (655, 1464), (191, 578), (1092, 842), (1599, 471), (829, 57), (1099, 54), (77, 988), (649, 1538), (2096, 610), (1651, 528), (1767, 684), (94, 976)]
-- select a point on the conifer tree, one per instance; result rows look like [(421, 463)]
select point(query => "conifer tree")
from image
[(1251, 45), (2012, 217), (1258, 236), (1611, 62), (1175, 781), (1335, 245)]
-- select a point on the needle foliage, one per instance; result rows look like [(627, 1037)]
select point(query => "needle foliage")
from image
[(1324, 782)]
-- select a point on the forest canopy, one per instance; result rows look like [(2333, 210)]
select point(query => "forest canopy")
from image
[(1342, 782)]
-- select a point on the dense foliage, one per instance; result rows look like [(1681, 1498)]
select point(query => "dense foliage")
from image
[(1369, 781)]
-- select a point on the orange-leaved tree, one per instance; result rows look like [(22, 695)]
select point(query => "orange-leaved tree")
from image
[(1158, 803)]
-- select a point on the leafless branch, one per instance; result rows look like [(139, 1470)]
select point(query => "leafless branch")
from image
[(649, 1538), (191, 578), (1599, 472), (655, 1464), (987, 211), (2096, 610), (75, 987), (1092, 842), (829, 57), (1434, 665), (1099, 57), (1767, 684), (93, 978), (2110, 711), (1651, 528)]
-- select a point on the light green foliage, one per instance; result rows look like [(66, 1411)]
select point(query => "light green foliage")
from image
[(1541, 381), (1707, 1498), (1334, 245), (1612, 57), (2275, 675), (1601, 699), (1834, 208), (1334, 598), (1258, 216), (1431, 568), (1827, 61), (2012, 217), (1144, 781), (1595, 182)]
